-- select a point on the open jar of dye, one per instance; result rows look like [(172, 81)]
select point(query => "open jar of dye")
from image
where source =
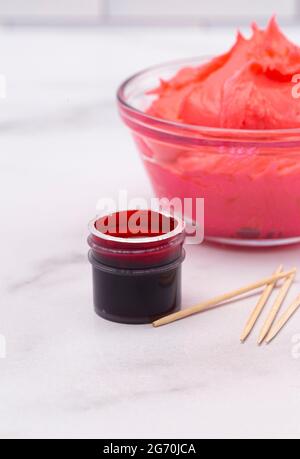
[(136, 257)]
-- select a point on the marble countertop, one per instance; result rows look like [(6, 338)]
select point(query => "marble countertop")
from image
[(67, 373)]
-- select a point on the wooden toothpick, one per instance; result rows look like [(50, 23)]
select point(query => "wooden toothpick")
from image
[(219, 299), (259, 307), (283, 319), (276, 307)]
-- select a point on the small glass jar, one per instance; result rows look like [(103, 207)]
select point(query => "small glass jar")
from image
[(136, 266)]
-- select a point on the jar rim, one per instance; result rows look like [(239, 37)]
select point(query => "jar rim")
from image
[(179, 229)]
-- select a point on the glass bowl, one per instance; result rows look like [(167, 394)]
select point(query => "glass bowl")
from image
[(249, 179)]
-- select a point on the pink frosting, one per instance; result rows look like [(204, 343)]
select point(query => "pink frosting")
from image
[(249, 87)]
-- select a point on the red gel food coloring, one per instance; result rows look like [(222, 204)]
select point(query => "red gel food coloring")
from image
[(136, 257)]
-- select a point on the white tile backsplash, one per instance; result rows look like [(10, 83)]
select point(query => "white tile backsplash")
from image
[(202, 8), (45, 8), (139, 11)]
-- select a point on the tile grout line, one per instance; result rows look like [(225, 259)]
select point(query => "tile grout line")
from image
[(104, 11)]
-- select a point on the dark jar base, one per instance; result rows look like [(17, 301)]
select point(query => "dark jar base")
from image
[(136, 296), (132, 320)]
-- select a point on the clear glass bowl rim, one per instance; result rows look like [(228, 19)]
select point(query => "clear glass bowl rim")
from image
[(273, 137)]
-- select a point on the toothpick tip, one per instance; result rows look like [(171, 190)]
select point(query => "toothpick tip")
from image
[(269, 337), (244, 336)]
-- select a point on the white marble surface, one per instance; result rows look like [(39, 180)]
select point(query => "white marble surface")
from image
[(68, 373)]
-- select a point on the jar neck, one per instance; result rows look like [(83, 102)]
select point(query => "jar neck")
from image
[(137, 255)]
